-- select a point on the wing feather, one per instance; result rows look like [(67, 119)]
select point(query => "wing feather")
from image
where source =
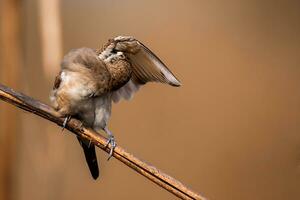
[(125, 92), (146, 66)]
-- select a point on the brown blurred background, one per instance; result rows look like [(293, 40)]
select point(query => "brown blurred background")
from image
[(235, 122)]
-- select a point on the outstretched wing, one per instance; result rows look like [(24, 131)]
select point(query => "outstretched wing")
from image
[(146, 66)]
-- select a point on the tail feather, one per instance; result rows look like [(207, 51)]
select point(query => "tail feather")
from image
[(90, 156)]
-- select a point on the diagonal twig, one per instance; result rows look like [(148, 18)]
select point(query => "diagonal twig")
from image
[(152, 173)]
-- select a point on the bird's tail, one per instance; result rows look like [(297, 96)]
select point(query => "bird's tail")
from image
[(90, 156)]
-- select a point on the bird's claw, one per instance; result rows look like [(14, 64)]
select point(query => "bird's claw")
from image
[(90, 142), (65, 122), (112, 142)]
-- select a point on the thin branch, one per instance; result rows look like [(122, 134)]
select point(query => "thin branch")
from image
[(163, 180)]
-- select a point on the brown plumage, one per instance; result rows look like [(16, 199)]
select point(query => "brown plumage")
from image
[(90, 80)]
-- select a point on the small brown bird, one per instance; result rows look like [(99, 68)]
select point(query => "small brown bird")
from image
[(91, 79)]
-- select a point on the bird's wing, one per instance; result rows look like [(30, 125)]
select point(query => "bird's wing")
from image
[(126, 92), (146, 66)]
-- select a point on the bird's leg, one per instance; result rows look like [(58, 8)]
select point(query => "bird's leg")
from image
[(111, 140), (67, 118)]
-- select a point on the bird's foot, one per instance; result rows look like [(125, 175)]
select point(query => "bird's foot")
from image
[(67, 118), (112, 142)]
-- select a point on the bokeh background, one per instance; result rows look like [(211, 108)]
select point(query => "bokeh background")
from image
[(231, 132)]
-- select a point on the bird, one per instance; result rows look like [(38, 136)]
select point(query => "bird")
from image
[(90, 80)]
